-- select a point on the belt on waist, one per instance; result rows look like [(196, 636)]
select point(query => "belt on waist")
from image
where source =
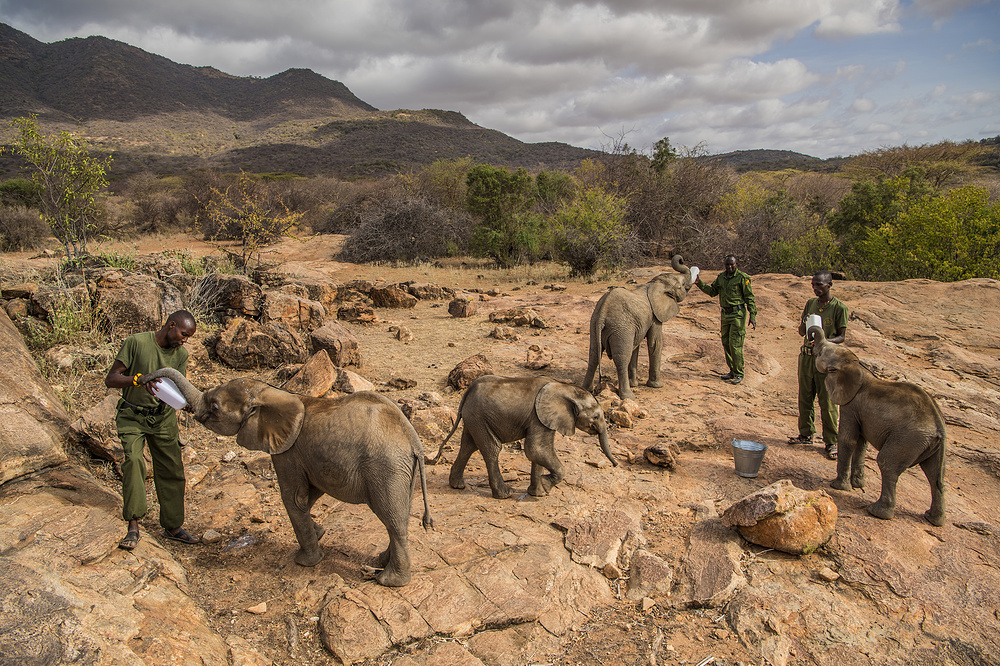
[(807, 350), (738, 308), (145, 411)]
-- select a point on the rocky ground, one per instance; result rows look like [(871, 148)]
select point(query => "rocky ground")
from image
[(500, 581)]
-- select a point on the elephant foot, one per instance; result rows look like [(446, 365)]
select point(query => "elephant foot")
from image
[(319, 529), (840, 484), (858, 482), (503, 492), (458, 484), (538, 490), (383, 559), (309, 558), (934, 517), (654, 384), (391, 578), (882, 511), (625, 394)]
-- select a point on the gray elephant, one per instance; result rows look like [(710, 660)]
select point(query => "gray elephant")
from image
[(360, 449), (498, 410), (622, 318), (901, 420)]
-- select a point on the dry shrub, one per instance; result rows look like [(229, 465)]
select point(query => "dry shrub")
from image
[(407, 228), (355, 200), (21, 228)]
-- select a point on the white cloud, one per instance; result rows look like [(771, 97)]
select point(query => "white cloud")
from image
[(863, 105)]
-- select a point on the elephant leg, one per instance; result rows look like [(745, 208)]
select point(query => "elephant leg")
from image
[(543, 456), (491, 454), (315, 494), (456, 478), (633, 368), (934, 471), (858, 453), (593, 361), (393, 509), (298, 501), (885, 507), (654, 345)]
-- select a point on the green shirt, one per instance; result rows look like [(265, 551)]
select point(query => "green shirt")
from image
[(140, 353), (735, 290), (834, 315)]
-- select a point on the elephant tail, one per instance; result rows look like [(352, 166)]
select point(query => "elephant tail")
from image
[(418, 467)]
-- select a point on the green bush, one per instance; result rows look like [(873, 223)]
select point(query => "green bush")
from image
[(21, 229), (814, 250), (507, 231), (592, 232)]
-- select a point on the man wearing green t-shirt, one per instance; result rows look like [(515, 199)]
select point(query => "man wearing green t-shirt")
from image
[(143, 419), (736, 299), (812, 383)]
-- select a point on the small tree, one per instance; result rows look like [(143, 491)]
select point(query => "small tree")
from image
[(69, 179), (507, 231), (243, 212)]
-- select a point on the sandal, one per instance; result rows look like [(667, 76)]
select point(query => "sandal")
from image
[(180, 534), (129, 541), (831, 452), (800, 439)]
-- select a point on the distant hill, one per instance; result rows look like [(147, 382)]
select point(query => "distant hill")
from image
[(153, 113), (774, 160)]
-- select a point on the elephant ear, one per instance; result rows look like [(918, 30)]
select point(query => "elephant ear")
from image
[(663, 297), (555, 409), (844, 377), (273, 423)]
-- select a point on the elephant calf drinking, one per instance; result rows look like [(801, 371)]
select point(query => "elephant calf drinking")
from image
[(360, 449), (899, 419), (498, 410)]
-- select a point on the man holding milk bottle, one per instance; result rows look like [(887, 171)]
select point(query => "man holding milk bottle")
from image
[(831, 315), (143, 419)]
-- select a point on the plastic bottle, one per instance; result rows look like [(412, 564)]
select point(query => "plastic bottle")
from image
[(168, 392)]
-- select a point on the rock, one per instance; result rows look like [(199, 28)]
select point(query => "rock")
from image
[(404, 335), (78, 359), (315, 377), (504, 333), (432, 423), (663, 454), (352, 632), (538, 357), (514, 316), (469, 371), (134, 304), (428, 292), (712, 569), (95, 430), (828, 575), (357, 313), (33, 422), (211, 536), (221, 297), (603, 539), (350, 382), (22, 290), (784, 517), (246, 344), (17, 309), (322, 290), (294, 312), (462, 306), (259, 609), (400, 383), (648, 575), (242, 652), (339, 343), (620, 418), (392, 296)]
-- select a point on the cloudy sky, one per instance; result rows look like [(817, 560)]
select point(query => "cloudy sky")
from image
[(822, 77)]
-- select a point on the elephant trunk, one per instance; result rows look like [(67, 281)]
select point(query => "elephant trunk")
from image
[(187, 389), (602, 436)]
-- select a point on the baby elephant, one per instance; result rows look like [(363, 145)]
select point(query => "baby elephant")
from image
[(359, 449), (498, 410), (900, 420)]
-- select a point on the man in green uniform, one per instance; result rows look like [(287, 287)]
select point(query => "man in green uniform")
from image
[(143, 419), (812, 383), (736, 299)]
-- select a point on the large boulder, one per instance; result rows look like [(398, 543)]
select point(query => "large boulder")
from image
[(339, 343), (33, 423), (133, 303), (221, 297), (469, 371), (246, 344), (392, 296), (322, 290), (301, 314), (784, 517), (315, 377)]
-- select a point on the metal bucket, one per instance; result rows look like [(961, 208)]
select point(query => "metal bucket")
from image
[(747, 456)]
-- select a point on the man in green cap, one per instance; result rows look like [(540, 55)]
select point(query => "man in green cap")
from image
[(143, 419), (736, 299)]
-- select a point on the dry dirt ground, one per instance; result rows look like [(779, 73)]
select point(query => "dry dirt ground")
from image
[(934, 334)]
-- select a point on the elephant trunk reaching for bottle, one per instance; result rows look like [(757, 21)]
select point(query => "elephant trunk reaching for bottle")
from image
[(360, 449)]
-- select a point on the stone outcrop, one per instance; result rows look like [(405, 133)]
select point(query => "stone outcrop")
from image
[(294, 312), (469, 371), (127, 304), (392, 296), (247, 344), (222, 297), (338, 342), (784, 517), (462, 306), (315, 377)]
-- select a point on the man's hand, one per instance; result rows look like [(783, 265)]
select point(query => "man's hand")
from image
[(753, 324)]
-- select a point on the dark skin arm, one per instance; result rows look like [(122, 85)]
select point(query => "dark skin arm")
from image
[(119, 378), (837, 339)]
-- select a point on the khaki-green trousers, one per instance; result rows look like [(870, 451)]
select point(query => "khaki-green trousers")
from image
[(812, 386), (160, 433), (734, 332)]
